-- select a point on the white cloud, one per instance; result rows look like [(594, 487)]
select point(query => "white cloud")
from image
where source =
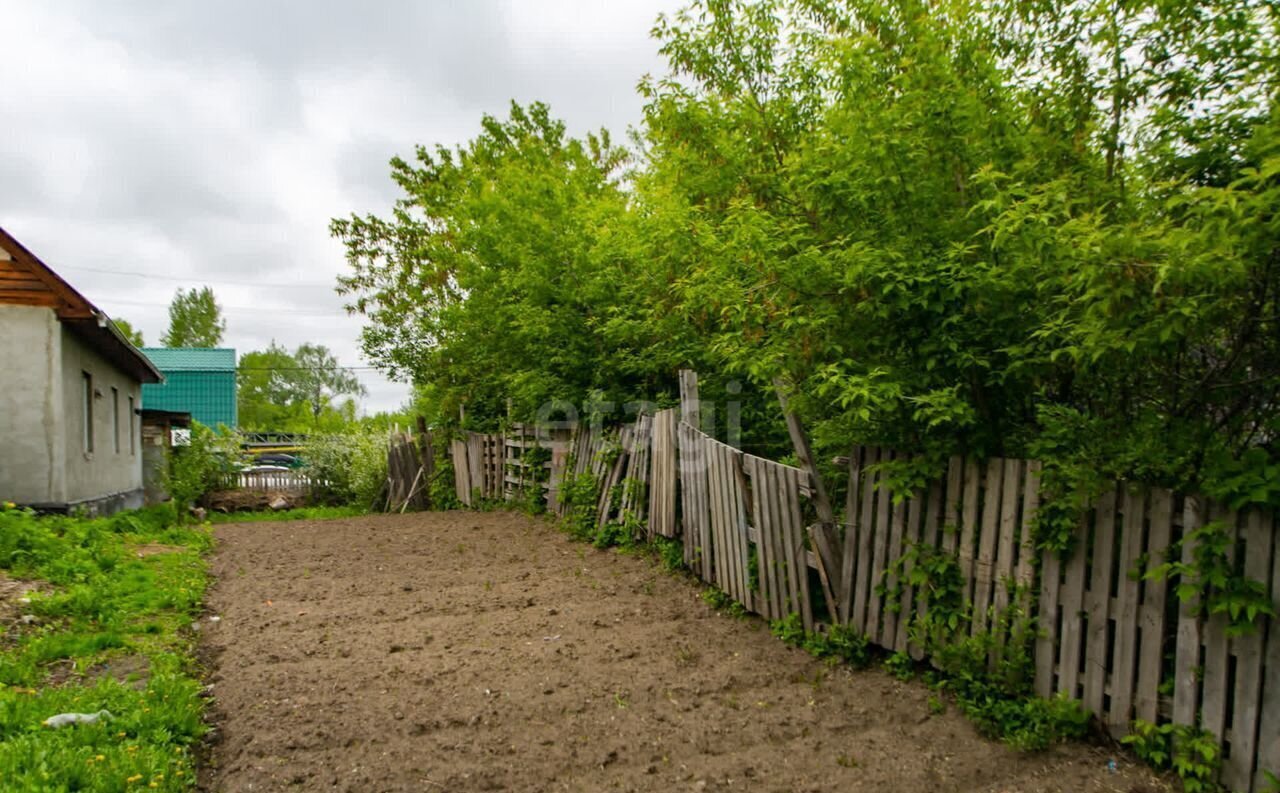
[(212, 143)]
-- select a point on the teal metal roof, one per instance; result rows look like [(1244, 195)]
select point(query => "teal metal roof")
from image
[(192, 359), (201, 382)]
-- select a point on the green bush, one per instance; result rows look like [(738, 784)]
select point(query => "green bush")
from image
[(349, 468), (210, 462)]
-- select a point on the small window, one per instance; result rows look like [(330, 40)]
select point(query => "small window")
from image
[(88, 412), (133, 428), (115, 418)]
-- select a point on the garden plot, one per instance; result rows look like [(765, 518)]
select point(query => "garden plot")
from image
[(468, 651)]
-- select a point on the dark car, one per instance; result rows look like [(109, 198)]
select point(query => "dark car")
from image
[(277, 458)]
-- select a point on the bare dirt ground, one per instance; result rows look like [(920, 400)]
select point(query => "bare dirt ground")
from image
[(484, 651)]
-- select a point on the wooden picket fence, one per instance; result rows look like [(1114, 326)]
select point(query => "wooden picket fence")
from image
[(1109, 635)]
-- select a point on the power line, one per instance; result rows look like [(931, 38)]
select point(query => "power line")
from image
[(261, 310), (201, 280), (305, 368)]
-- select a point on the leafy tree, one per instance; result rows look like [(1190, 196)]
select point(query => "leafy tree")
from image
[(195, 320), (295, 392), (319, 379), (129, 332), (980, 226)]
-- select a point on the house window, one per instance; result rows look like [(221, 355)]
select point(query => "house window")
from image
[(133, 429), (115, 418), (88, 412)]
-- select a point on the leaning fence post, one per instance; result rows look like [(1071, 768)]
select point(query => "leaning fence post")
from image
[(823, 543)]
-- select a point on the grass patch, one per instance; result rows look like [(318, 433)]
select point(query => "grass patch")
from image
[(301, 513), (104, 602)]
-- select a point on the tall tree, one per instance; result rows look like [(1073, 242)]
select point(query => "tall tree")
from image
[(129, 332), (266, 388), (195, 320), (318, 379)]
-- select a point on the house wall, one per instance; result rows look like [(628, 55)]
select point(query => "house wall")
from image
[(104, 479), (32, 430)]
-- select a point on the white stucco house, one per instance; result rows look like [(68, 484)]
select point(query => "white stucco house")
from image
[(70, 394)]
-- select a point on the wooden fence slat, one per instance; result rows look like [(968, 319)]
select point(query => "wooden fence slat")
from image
[(1072, 606), (1123, 673), (1151, 613), (1098, 602), (767, 603), (984, 566), (954, 517), (1269, 713), (1186, 684), (800, 566), (866, 540), (849, 553), (769, 508), (880, 545), (893, 550), (1217, 651), (1006, 544), (969, 526), (1237, 769), (910, 538)]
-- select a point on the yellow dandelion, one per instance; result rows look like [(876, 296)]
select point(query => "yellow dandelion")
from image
[(133, 779), (101, 757)]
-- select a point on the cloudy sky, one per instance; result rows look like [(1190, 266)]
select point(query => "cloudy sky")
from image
[(152, 146)]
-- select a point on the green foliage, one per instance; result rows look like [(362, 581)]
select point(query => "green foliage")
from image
[(838, 643), (195, 320), (129, 332), (723, 602), (900, 666), (105, 602), (1189, 752), (351, 467), (443, 493), (202, 466), (580, 496), (1212, 583), (299, 391), (671, 553), (995, 228)]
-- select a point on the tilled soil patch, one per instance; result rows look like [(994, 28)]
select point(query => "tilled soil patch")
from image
[(465, 651)]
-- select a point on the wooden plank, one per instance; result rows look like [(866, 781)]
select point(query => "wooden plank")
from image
[(1006, 543), (690, 410), (1046, 640), (1237, 768), (967, 547), (1186, 684), (738, 516), (893, 551), (1269, 712), (1098, 602), (1123, 676), (933, 537), (1072, 605), (1217, 651), (765, 603), (1151, 617), (1026, 572), (984, 565), (879, 551), (764, 497), (849, 551), (782, 566), (910, 538), (721, 551), (954, 517), (866, 540), (790, 563), (795, 531)]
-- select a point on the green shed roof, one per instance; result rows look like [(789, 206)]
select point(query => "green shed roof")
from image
[(192, 359), (199, 381)]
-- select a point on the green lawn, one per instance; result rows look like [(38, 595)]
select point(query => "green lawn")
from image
[(112, 632)]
